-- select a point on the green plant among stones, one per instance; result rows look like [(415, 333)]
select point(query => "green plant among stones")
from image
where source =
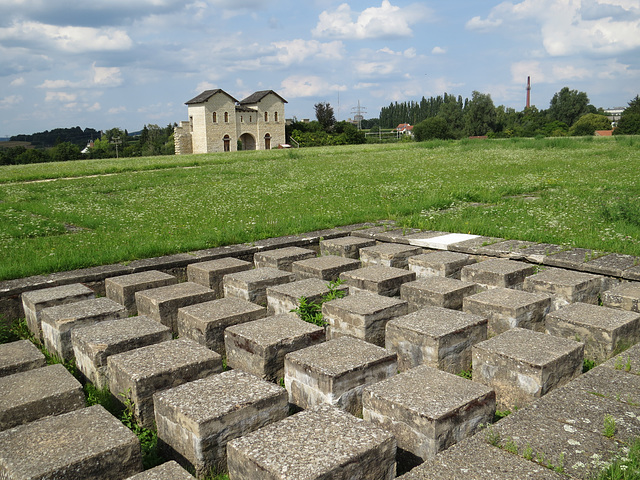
[(468, 374), (609, 426), (625, 465), (312, 312), (588, 364), (148, 438), (493, 438)]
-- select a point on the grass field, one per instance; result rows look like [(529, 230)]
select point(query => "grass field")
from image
[(60, 216)]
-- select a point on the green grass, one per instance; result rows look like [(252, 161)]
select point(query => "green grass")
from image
[(565, 191)]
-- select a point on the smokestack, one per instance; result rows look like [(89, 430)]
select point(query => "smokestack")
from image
[(528, 92)]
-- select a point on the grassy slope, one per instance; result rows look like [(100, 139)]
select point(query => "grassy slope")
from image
[(582, 192)]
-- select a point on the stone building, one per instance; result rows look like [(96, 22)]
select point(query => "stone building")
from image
[(217, 121)]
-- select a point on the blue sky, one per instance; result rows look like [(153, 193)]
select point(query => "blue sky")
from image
[(127, 63)]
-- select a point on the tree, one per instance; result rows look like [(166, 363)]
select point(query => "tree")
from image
[(634, 106), (324, 115), (568, 106), (434, 127), (589, 123), (65, 151), (479, 115), (629, 124)]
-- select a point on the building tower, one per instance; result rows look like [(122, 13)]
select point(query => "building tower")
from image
[(528, 92)]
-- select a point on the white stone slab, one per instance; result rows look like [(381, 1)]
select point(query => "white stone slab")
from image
[(442, 242)]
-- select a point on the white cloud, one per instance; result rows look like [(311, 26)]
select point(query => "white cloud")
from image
[(106, 76), (570, 72), (10, 101), (438, 50), (477, 23), (527, 68), (17, 82), (60, 97), (296, 51), (368, 69), (297, 86), (116, 110)]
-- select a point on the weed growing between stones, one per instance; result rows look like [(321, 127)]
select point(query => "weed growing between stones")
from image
[(625, 465), (468, 374), (312, 312), (622, 365), (151, 456), (609, 426), (588, 364)]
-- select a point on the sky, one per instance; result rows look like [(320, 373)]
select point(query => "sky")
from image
[(129, 63)]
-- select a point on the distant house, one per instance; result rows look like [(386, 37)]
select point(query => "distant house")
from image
[(404, 129), (603, 133), (217, 121)]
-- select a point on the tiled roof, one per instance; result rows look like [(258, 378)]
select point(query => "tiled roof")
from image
[(206, 95), (257, 96)]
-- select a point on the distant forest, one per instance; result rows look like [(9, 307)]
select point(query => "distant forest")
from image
[(48, 139)]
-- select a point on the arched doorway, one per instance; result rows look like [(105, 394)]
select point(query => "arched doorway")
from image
[(248, 142), (267, 142), (227, 143)]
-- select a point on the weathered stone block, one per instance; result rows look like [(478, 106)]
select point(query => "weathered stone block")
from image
[(336, 372), (20, 356), (139, 373), (497, 272), (611, 383), (442, 264), (196, 420), (438, 240), (613, 264), (33, 302), (507, 308), (380, 280), (94, 344), (286, 297), (506, 249), (59, 321), (388, 255), (573, 258), (435, 336), (348, 247), (627, 361), (327, 267), (625, 297), (85, 443), (565, 286), (252, 284), (538, 252), (316, 444), (37, 393), (162, 303), (259, 347), (603, 330), (522, 365), (205, 322), (282, 258), (428, 410), (209, 274), (123, 289), (437, 292), (362, 316), (167, 471)]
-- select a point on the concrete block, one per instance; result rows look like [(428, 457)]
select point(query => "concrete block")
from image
[(33, 302), (20, 356), (538, 252), (472, 245), (497, 272), (37, 393), (388, 255), (441, 264), (123, 289), (167, 471), (604, 331), (205, 322), (627, 361), (522, 365), (506, 249), (379, 280), (348, 247), (625, 297), (610, 383), (613, 264), (327, 267), (209, 274), (428, 410), (94, 344), (282, 258), (259, 347), (251, 285), (507, 308), (565, 286), (437, 291), (85, 443), (362, 316), (573, 258), (59, 321), (137, 374), (336, 372), (162, 303), (316, 444), (286, 297), (438, 240), (196, 420), (437, 337)]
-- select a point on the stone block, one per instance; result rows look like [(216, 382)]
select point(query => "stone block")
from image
[(472, 246), (162, 303), (327, 267), (316, 444), (259, 347), (506, 249), (85, 443), (379, 280), (610, 383), (497, 273), (388, 255), (37, 393), (94, 344), (251, 285), (522, 365), (565, 286), (362, 316), (348, 247), (604, 331), (59, 321), (336, 372), (435, 336), (428, 410), (437, 292), (441, 264), (33, 302), (613, 264), (286, 297), (627, 361), (209, 274), (538, 252), (138, 374), (282, 258), (507, 308), (573, 258), (625, 296), (167, 471), (205, 322), (438, 240), (123, 289), (19, 356), (196, 420)]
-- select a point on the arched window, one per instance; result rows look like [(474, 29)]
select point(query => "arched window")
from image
[(267, 142), (226, 117), (191, 123), (227, 143), (241, 119), (250, 119), (266, 116), (215, 117), (275, 116)]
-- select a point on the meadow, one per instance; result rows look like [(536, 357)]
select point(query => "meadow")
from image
[(571, 191)]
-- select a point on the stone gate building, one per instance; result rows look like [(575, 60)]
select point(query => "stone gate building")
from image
[(217, 121)]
